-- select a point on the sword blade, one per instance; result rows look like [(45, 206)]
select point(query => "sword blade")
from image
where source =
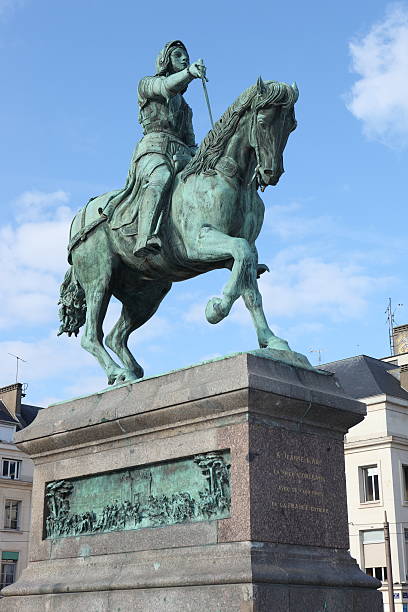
[(207, 99)]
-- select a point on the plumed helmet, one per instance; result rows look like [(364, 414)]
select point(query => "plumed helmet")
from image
[(163, 59)]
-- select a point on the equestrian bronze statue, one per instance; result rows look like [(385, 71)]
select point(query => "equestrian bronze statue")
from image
[(183, 211)]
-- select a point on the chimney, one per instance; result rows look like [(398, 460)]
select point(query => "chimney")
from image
[(400, 339), (11, 398), (404, 376)]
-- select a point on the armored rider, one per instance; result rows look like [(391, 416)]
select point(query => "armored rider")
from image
[(168, 143)]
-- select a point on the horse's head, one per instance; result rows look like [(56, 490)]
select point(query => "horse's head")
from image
[(273, 119)]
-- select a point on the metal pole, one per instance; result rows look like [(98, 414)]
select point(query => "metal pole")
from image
[(390, 319), (18, 359), (391, 605)]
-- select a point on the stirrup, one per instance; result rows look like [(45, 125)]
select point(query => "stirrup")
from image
[(154, 242), (152, 247)]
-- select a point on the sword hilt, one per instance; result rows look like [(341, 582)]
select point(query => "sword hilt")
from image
[(203, 76)]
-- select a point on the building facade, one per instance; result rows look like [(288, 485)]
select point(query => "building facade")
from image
[(376, 460), (16, 480)]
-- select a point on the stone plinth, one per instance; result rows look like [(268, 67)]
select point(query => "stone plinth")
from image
[(279, 545)]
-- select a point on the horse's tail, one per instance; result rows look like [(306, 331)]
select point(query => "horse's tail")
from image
[(72, 305)]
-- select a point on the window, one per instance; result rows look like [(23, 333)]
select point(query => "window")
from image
[(12, 514), (8, 572), (374, 553), (405, 483), (406, 550), (371, 488), (377, 572), (7, 433), (10, 468)]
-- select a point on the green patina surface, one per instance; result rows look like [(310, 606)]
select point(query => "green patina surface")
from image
[(184, 211), (186, 490)]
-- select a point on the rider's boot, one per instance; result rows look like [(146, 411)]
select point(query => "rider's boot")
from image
[(148, 242)]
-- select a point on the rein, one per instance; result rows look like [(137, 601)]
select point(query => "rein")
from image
[(255, 143)]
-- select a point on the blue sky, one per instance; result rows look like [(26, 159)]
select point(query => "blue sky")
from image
[(334, 236)]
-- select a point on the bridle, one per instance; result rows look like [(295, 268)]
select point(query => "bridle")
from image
[(254, 142)]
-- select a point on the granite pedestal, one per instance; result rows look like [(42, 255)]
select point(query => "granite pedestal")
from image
[(282, 543)]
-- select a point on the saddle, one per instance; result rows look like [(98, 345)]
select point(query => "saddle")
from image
[(120, 208)]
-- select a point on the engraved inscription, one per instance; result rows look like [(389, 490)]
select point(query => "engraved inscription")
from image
[(185, 490), (298, 490), (299, 475), (298, 458), (297, 483)]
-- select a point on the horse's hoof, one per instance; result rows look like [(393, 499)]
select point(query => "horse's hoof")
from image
[(125, 376), (139, 372), (261, 268), (128, 376), (213, 311)]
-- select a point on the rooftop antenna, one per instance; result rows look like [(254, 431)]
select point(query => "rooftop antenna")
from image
[(391, 322), (319, 354), (17, 360)]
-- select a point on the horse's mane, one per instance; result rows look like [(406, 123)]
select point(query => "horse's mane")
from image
[(214, 143)]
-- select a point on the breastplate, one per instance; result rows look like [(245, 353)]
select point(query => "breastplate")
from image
[(158, 116)]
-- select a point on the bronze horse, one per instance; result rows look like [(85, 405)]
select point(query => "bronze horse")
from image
[(213, 219)]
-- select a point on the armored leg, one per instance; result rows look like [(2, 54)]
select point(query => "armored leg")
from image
[(150, 207)]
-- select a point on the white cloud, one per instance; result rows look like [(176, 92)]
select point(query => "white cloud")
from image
[(32, 265), (380, 97), (290, 223), (84, 384), (195, 313), (45, 358), (312, 286), (62, 364), (33, 258), (309, 288), (314, 278), (35, 205)]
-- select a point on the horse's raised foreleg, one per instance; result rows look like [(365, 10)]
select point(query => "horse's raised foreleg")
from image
[(140, 300), (215, 245)]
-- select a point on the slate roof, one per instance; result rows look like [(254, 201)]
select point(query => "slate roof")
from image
[(364, 376), (5, 416), (28, 414)]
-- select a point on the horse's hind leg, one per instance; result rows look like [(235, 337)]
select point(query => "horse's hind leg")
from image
[(97, 300), (140, 300), (214, 245), (95, 280)]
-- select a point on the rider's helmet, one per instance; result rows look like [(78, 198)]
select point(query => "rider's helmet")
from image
[(163, 59)]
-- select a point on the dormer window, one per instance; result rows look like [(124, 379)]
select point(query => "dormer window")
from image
[(10, 468), (7, 432)]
